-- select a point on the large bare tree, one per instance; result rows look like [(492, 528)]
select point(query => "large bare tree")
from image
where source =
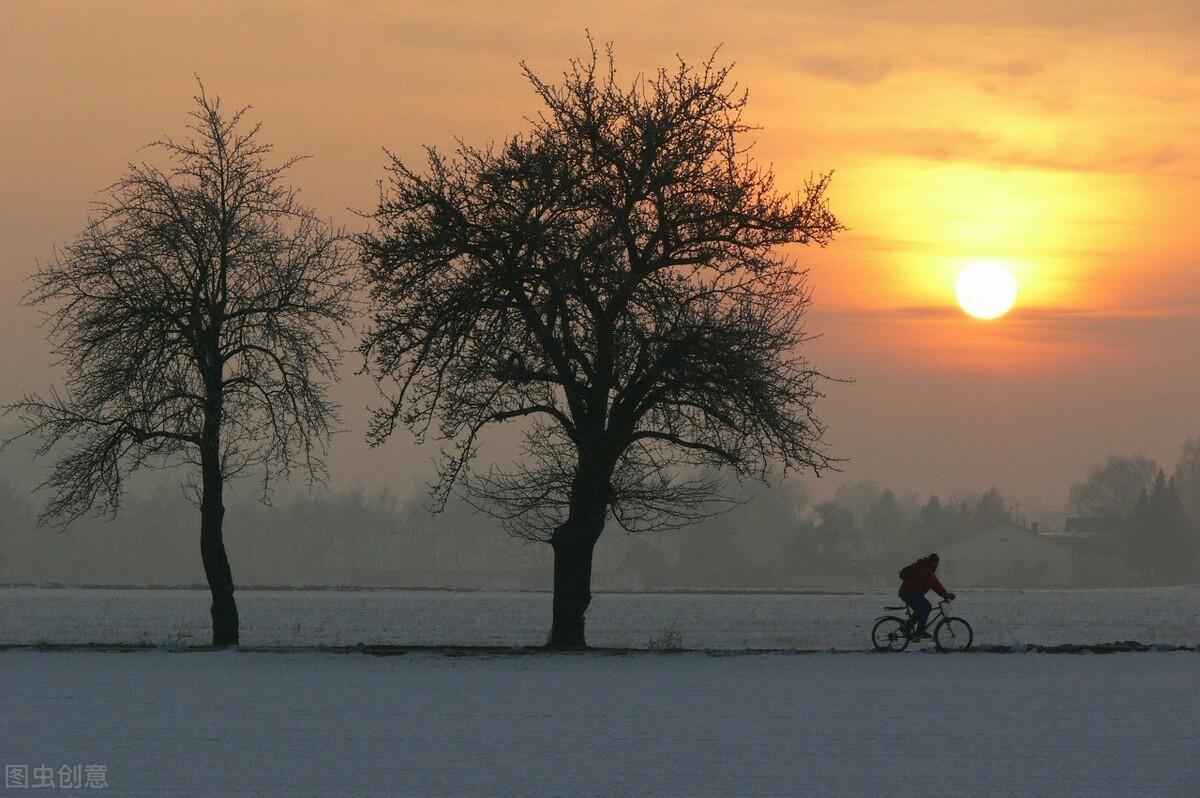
[(197, 318), (613, 279)]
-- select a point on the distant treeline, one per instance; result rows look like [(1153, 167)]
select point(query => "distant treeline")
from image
[(1141, 518), (1143, 525), (774, 540)]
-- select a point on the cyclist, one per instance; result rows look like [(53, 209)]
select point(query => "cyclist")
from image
[(919, 578)]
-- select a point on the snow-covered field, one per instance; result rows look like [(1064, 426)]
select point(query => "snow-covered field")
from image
[(320, 723), (684, 724), (1162, 616)]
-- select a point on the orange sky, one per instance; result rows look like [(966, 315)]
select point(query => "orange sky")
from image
[(1061, 139)]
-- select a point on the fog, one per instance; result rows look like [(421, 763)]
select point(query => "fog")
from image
[(776, 538)]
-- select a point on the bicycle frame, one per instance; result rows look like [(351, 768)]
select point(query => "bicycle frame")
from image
[(935, 615)]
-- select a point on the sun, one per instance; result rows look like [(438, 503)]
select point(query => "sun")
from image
[(986, 290)]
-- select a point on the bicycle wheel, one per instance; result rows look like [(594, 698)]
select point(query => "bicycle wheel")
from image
[(953, 634), (888, 634)]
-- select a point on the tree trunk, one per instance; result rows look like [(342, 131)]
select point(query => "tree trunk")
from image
[(212, 545), (573, 543), (572, 587)]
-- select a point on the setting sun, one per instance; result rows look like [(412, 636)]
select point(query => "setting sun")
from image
[(986, 290)]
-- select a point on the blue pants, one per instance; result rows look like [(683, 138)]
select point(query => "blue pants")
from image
[(920, 606)]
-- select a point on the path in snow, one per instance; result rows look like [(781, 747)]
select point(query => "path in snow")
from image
[(1166, 616)]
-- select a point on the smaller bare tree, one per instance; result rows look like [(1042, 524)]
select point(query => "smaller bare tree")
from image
[(197, 319)]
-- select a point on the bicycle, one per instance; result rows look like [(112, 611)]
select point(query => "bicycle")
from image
[(950, 633)]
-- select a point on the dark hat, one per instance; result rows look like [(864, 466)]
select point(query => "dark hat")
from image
[(933, 557)]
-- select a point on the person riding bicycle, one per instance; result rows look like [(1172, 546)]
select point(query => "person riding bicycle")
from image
[(919, 578)]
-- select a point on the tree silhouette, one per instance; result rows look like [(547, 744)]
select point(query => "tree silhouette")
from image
[(612, 279), (1111, 490), (831, 537), (990, 509), (1187, 479), (934, 525), (1162, 543), (196, 317), (884, 522)]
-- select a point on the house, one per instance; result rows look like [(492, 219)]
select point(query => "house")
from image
[(1101, 550), (1006, 555)]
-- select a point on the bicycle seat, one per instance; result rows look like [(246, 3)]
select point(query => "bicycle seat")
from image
[(901, 607)]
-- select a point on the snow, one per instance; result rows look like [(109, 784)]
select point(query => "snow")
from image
[(1157, 616), (664, 724), (723, 721)]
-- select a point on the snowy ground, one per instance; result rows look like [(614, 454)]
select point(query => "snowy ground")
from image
[(681, 724), (163, 722), (1164, 616)]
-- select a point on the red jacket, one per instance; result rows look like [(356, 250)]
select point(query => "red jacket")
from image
[(923, 581)]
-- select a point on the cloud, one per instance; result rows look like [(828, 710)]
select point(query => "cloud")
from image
[(902, 312), (857, 70), (1122, 328), (1127, 323), (1170, 16), (964, 145), (1019, 67)]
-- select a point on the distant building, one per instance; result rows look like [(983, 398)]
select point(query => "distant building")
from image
[(1082, 527), (1006, 555), (1100, 547)]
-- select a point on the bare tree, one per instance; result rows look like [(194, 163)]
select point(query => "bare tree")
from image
[(197, 319), (1111, 490), (612, 278), (1187, 479), (1163, 544)]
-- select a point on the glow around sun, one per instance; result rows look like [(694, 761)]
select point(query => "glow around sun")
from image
[(986, 290)]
